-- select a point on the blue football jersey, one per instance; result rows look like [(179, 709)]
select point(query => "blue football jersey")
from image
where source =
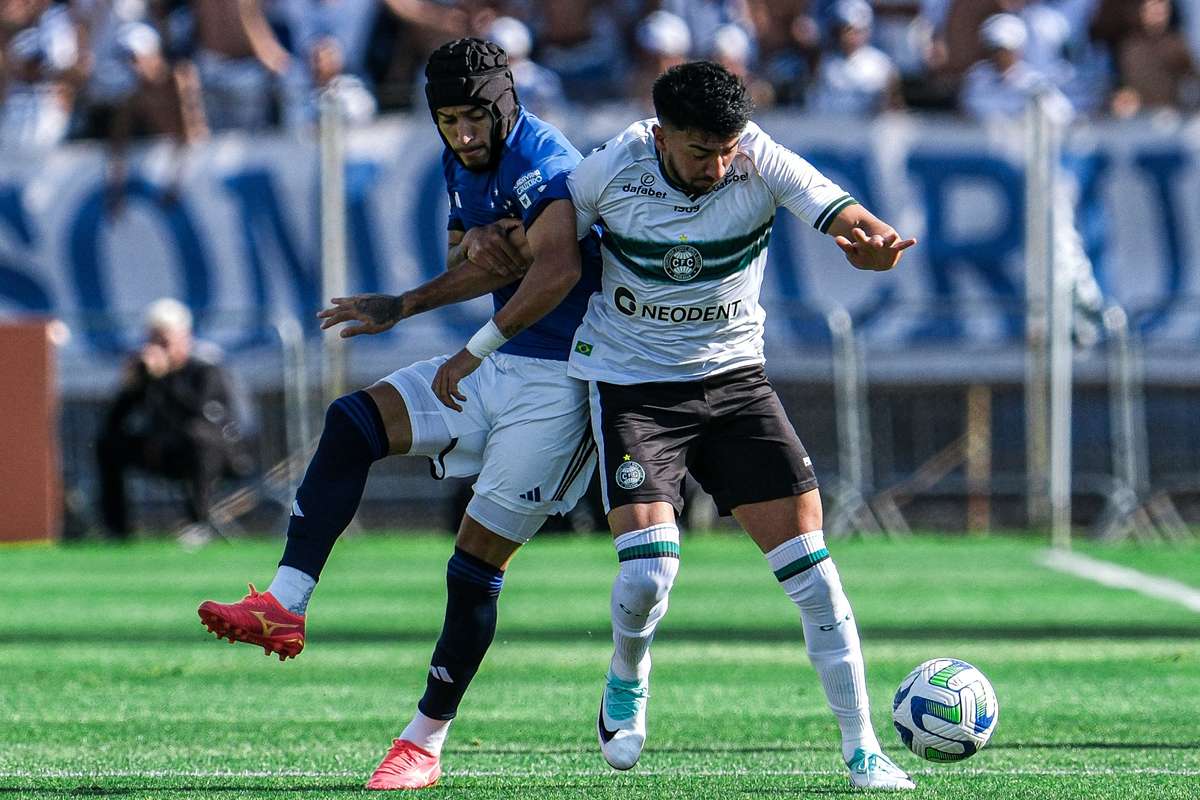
[(519, 187)]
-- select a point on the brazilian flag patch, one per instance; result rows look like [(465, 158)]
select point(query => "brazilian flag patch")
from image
[(583, 348)]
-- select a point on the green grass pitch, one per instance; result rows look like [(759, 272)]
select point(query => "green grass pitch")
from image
[(109, 686)]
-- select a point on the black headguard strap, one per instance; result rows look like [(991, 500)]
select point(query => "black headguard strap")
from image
[(473, 72)]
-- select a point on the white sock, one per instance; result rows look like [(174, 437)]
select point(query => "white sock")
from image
[(810, 579), (649, 562), (427, 733), (292, 588)]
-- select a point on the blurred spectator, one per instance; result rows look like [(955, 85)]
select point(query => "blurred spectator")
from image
[(16, 16), (855, 78), (239, 58), (172, 418), (164, 100), (958, 46), (538, 88), (788, 45), (997, 91), (326, 70), (347, 22), (259, 62), (109, 80), (1049, 33), (1112, 20), (438, 19), (1091, 70), (705, 17), (1047, 30), (158, 99), (663, 41), (1001, 85), (1155, 65), (731, 49), (39, 93), (903, 34), (580, 40), (402, 40)]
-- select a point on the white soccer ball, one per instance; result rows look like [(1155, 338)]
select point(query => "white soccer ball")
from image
[(945, 710)]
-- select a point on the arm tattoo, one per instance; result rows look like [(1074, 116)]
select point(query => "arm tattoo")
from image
[(381, 309)]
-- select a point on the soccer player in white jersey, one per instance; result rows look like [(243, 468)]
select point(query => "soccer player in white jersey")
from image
[(672, 347)]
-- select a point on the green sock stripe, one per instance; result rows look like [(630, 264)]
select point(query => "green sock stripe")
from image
[(651, 550), (801, 564)]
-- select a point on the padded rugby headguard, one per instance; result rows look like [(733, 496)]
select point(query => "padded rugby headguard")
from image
[(473, 72)]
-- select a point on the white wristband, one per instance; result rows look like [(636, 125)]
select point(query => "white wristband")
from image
[(486, 340)]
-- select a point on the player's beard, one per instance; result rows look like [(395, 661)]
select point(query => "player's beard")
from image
[(690, 186), (478, 164)]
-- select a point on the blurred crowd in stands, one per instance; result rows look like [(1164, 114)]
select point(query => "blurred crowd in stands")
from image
[(118, 69)]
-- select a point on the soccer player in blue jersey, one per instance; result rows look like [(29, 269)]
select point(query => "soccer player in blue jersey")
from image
[(520, 423)]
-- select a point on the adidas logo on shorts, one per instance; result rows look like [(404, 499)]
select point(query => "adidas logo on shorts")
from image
[(533, 495)]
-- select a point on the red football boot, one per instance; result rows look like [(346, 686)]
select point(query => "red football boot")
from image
[(256, 619), (406, 766)]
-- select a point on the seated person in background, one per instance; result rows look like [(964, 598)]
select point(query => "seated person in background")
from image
[(172, 418)]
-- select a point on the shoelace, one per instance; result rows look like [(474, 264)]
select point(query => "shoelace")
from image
[(623, 701), (396, 766)]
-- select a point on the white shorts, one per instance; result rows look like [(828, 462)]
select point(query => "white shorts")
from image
[(524, 430)]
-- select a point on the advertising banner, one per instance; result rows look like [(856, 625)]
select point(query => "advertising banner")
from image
[(231, 228)]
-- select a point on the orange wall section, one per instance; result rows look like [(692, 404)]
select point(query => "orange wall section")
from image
[(30, 477)]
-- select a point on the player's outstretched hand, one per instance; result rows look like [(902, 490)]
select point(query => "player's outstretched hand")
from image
[(445, 382), (374, 313), (500, 248), (878, 253)]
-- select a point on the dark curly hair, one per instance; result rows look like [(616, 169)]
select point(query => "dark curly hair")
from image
[(703, 96)]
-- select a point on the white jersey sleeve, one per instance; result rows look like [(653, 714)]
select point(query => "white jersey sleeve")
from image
[(594, 173), (797, 185), (585, 184)]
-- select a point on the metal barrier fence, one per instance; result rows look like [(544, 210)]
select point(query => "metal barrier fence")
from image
[(892, 454)]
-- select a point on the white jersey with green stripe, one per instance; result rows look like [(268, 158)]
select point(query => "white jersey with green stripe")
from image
[(683, 273)]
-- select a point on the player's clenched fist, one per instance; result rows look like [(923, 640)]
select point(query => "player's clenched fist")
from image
[(500, 248)]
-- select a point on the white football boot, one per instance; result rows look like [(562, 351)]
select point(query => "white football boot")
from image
[(876, 771), (621, 724)]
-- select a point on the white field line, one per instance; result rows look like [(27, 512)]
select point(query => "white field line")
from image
[(1118, 577), (682, 772)]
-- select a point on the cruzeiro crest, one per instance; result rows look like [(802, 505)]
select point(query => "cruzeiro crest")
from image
[(682, 262)]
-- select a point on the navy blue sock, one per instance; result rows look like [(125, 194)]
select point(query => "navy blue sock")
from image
[(354, 437), (472, 589)]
